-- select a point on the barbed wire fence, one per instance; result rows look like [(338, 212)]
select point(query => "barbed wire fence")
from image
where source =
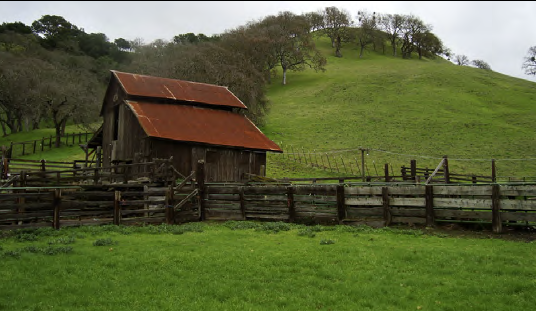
[(364, 161)]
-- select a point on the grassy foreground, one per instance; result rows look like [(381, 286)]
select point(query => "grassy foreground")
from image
[(262, 266)]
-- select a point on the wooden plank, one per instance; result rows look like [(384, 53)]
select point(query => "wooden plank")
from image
[(518, 216), (27, 196), (290, 205), (265, 190), (315, 198), (468, 203), (266, 198), (57, 207), (367, 211), (341, 210), (417, 202), (526, 205), (242, 203), (26, 216), (327, 190), (140, 211), (27, 206), (364, 201), (407, 190), (463, 190), (223, 189), (411, 220), (25, 226), (410, 212), (224, 197), (373, 190), (529, 190), (442, 214)]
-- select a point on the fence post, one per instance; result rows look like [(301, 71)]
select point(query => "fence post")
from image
[(57, 206), (429, 199), (23, 148), (42, 144), (170, 202), (50, 142), (117, 207), (496, 209), (290, 204), (242, 202), (200, 178), (413, 168), (386, 210), (386, 172), (341, 211), (446, 169), (35, 144), (493, 171)]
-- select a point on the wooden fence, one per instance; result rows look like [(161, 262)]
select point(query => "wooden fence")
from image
[(377, 205), (23, 148)]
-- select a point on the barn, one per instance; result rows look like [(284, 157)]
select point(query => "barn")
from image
[(147, 117)]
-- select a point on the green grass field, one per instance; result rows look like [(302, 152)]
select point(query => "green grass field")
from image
[(262, 266)]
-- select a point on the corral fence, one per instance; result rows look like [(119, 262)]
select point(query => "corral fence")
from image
[(23, 148), (189, 198)]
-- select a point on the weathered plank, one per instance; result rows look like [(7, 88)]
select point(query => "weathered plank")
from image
[(467, 203), (407, 190), (518, 216), (463, 190), (410, 220), (374, 190), (526, 205), (411, 212), (441, 213), (364, 201), (367, 211), (417, 202), (518, 190)]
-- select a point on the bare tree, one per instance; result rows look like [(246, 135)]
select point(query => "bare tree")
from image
[(335, 25), (461, 60), (392, 25), (529, 63), (365, 34), (478, 63)]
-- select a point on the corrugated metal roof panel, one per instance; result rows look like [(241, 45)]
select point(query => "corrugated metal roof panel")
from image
[(203, 125), (149, 86)]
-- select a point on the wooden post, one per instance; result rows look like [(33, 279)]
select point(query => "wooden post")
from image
[(386, 210), (344, 166), (11, 150), (35, 144), (446, 169), (170, 202), (50, 142), (493, 171), (242, 203), (327, 158), (42, 144), (23, 148), (496, 221), (291, 205), (429, 199), (117, 207), (386, 172), (363, 163), (413, 168), (341, 212), (200, 178), (57, 206)]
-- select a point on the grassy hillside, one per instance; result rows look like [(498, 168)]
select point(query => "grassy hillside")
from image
[(402, 110)]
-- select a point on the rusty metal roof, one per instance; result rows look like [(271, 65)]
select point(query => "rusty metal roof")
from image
[(203, 125), (149, 86)]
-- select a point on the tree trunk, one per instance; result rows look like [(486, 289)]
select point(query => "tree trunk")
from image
[(63, 124), (285, 76), (393, 43), (361, 51), (338, 47), (58, 135)]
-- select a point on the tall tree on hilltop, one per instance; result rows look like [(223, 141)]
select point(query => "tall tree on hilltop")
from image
[(461, 60), (529, 62), (412, 30), (292, 43), (368, 26), (336, 25), (57, 33), (392, 25)]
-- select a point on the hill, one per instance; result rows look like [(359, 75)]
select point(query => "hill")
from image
[(400, 110)]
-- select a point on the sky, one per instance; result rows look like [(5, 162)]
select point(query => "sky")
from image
[(497, 32)]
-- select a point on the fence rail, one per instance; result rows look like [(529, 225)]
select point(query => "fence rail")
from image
[(23, 148)]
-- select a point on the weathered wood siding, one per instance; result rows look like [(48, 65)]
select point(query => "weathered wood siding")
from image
[(114, 96)]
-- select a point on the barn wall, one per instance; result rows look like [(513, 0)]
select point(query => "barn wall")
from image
[(131, 143), (114, 96), (164, 149)]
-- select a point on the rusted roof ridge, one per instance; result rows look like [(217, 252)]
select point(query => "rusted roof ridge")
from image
[(157, 87), (200, 125)]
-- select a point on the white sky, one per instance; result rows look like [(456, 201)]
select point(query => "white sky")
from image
[(497, 32)]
